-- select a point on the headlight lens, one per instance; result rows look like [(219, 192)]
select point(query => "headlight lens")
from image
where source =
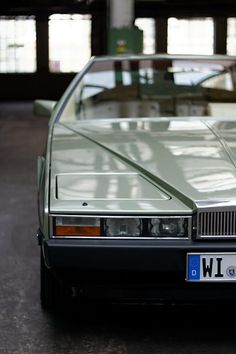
[(169, 227), (122, 227), (89, 226)]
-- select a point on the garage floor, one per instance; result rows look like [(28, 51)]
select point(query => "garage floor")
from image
[(25, 328)]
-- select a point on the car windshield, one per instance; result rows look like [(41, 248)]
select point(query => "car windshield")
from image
[(154, 87)]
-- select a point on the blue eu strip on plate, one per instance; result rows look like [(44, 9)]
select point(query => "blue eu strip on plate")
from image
[(193, 267)]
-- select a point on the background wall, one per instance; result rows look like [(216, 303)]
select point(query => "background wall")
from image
[(43, 83)]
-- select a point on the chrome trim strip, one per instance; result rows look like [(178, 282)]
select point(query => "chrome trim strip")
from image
[(121, 216), (216, 205), (116, 238), (217, 237)]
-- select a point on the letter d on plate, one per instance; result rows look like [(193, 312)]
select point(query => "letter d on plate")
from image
[(193, 267)]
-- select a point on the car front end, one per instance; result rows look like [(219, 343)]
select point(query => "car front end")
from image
[(140, 207)]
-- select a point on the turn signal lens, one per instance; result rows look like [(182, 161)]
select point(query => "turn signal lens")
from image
[(77, 231), (77, 227)]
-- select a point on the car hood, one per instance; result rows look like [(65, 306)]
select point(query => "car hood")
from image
[(142, 165)]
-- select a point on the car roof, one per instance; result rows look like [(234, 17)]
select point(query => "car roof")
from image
[(164, 57)]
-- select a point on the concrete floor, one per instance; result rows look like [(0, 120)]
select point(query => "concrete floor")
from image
[(25, 328)]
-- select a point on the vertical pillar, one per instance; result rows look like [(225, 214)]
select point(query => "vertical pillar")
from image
[(99, 35), (161, 28), (42, 51), (121, 13), (124, 37), (220, 35)]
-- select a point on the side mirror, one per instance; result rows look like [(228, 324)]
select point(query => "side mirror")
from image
[(43, 107)]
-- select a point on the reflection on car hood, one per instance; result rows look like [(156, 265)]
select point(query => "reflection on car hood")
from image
[(146, 165)]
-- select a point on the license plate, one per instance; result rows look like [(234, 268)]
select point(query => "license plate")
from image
[(207, 267)]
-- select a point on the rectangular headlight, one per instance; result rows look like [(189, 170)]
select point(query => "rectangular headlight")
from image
[(169, 227), (122, 227), (89, 226)]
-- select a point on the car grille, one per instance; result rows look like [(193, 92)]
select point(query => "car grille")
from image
[(216, 224)]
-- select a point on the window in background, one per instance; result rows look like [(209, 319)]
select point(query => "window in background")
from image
[(190, 36), (17, 44), (147, 25), (69, 42), (231, 35)]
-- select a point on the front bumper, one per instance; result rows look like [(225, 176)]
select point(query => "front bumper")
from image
[(127, 255), (132, 268)]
